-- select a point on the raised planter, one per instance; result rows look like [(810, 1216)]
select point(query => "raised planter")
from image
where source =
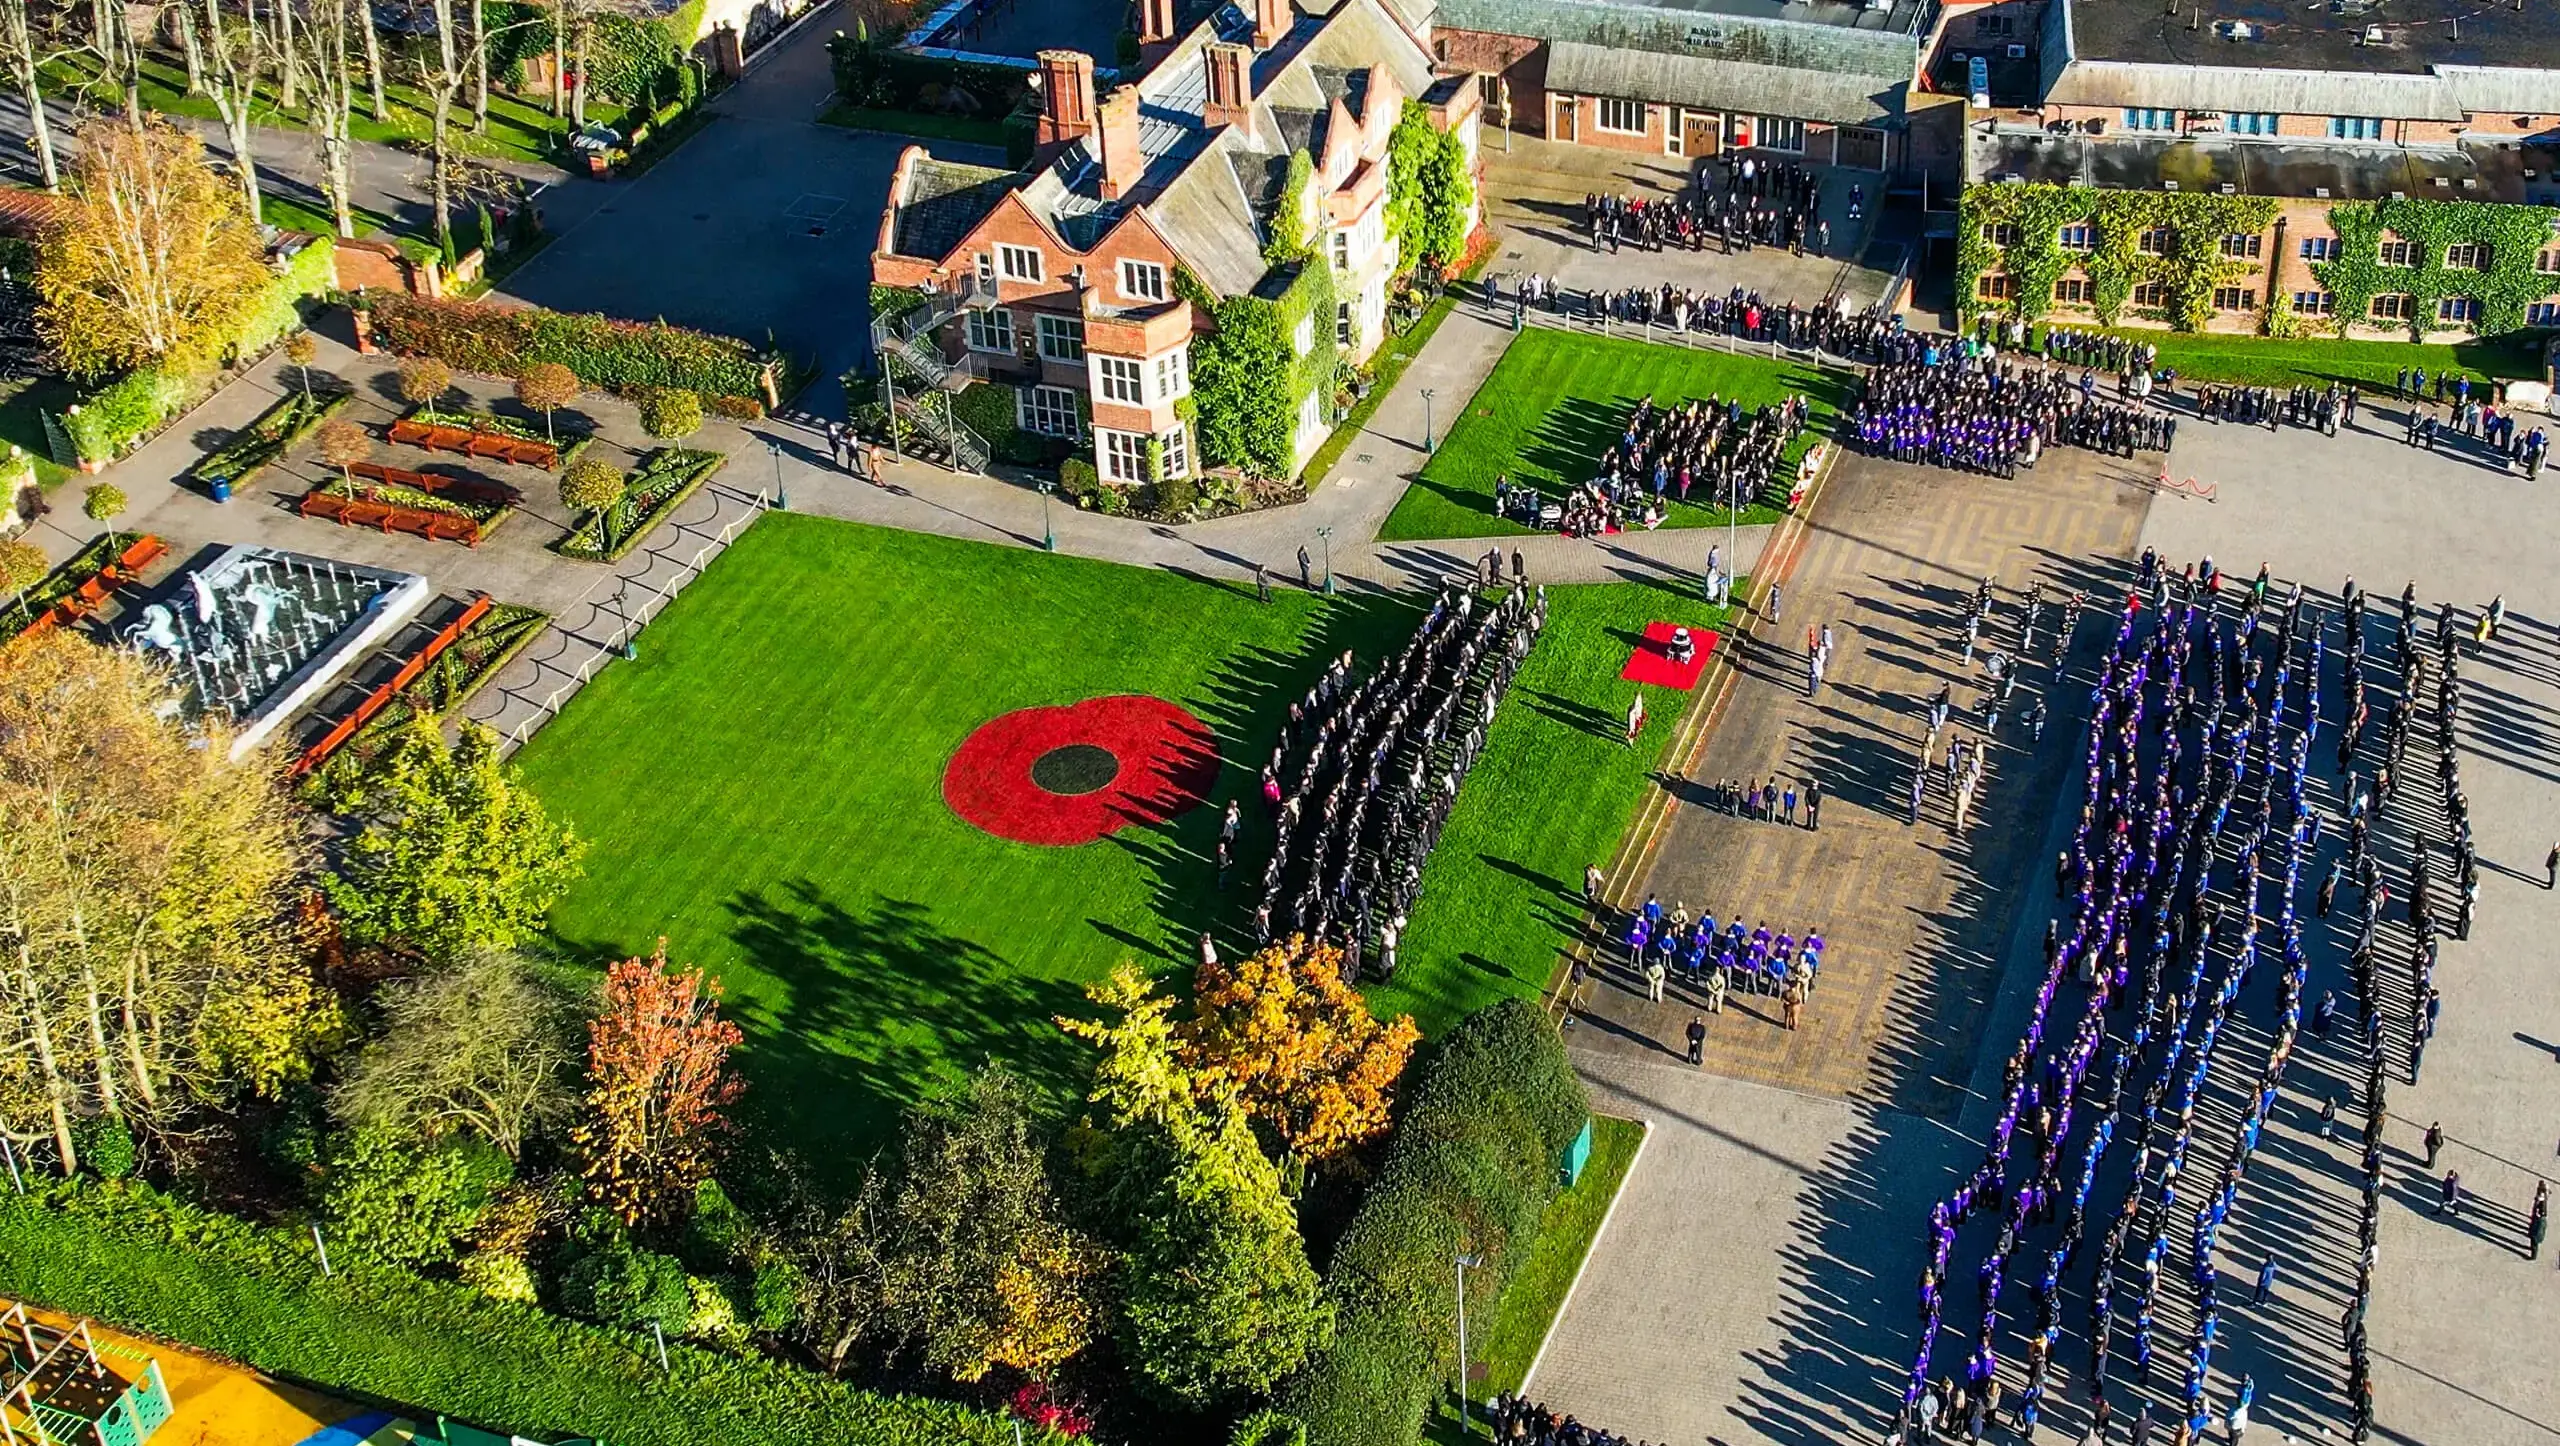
[(81, 586), (665, 479), (257, 446), (372, 496), (468, 441)]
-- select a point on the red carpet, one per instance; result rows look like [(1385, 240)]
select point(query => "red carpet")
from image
[(1071, 775), (1651, 662)]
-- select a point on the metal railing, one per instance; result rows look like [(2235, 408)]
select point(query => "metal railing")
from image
[(1665, 334), (905, 342)]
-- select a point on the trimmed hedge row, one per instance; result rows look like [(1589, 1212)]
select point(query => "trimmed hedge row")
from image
[(1475, 1159), (124, 1254), (618, 356)]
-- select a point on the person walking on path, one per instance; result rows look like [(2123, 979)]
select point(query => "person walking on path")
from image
[(2434, 1142), (1698, 1040), (1654, 974), (2328, 1119), (1519, 569), (2235, 1421), (1773, 602), (1792, 1000), (2266, 1280), (2537, 1220), (1715, 990), (2449, 1197), (2551, 868), (1591, 884)]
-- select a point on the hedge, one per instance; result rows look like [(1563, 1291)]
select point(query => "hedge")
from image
[(881, 77), (109, 421), (610, 355), (1476, 1157), (122, 1253)]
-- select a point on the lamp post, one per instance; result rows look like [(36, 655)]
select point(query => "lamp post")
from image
[(1326, 533), (1426, 419), (622, 614), (781, 500), (1464, 1425), (1048, 533)]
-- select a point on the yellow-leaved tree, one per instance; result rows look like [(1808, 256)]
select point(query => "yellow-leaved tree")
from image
[(1304, 1054), (155, 258)]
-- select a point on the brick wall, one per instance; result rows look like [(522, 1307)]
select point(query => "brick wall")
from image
[(1516, 58)]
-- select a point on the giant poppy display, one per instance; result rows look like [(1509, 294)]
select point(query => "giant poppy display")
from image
[(1070, 775)]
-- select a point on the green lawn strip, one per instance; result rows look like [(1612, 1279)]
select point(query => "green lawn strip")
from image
[(291, 215), (1554, 791), (1557, 399), (1509, 1343), (763, 786), (966, 129), (2266, 362)]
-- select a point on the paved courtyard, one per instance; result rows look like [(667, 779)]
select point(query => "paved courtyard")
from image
[(1757, 1283)]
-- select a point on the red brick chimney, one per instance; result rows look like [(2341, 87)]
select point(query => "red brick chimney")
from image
[(1155, 22), (1230, 72), (1066, 97), (1122, 163), (1271, 20)]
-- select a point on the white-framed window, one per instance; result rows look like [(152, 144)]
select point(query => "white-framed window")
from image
[(2250, 123), (991, 329), (1061, 337), (1342, 324), (1141, 281), (2072, 289), (1341, 248), (2080, 236), (986, 269), (1120, 379), (2149, 118), (1177, 452), (2314, 303), (2319, 248), (1626, 117), (1173, 374), (2467, 256), (2393, 306), (2547, 263), (2355, 128), (2542, 313), (1050, 411), (1124, 455), (1019, 263), (1311, 414), (1777, 133), (2243, 245), (2000, 233), (2397, 253), (2234, 298), (2458, 308)]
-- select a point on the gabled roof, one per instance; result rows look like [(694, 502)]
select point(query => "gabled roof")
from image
[(944, 200)]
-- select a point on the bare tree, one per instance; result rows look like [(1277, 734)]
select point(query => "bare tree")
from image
[(372, 55), (481, 1044), (238, 59), (191, 47), (333, 96), (19, 34), (443, 79)]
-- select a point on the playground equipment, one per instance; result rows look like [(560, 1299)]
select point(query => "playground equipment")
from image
[(56, 1388)]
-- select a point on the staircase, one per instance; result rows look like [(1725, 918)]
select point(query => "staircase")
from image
[(915, 381)]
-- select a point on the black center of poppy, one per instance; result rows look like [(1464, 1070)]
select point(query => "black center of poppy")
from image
[(1076, 768)]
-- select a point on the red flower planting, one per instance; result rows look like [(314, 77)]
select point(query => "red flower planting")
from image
[(1071, 775)]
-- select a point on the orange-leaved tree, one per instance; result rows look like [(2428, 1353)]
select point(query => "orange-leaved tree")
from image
[(657, 1080), (1306, 1056)]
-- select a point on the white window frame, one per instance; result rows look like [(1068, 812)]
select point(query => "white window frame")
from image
[(1173, 375), (2148, 293), (1047, 410), (2408, 252), (1779, 133), (2315, 303), (1601, 111), (1123, 455), (2542, 313), (1061, 338), (2478, 260), (1120, 379), (1306, 333), (1341, 248), (2073, 290), (2464, 310), (2319, 248), (2155, 241), (2547, 262), (2243, 298), (2242, 245), (1177, 452), (2251, 123), (2086, 240), (2150, 120), (1346, 326), (990, 330), (986, 269), (1142, 281), (1020, 263), (2389, 306), (2355, 128)]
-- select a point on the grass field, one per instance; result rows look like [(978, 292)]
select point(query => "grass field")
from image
[(2264, 362), (1557, 399)]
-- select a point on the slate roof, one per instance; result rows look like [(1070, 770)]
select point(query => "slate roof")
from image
[(2487, 171), (1823, 36), (943, 200), (1712, 84)]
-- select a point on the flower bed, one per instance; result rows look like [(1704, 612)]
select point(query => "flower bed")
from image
[(486, 434), (666, 478), (254, 447), (77, 588), (447, 681), (427, 504)]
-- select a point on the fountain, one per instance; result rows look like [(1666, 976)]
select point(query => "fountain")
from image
[(258, 633)]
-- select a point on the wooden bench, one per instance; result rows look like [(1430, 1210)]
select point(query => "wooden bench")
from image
[(437, 484), (470, 442)]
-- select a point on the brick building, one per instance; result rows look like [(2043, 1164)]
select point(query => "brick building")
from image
[(1059, 281), (1825, 80), (2430, 100)]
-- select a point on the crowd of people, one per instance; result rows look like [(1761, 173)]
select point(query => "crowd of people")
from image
[(1711, 962), (1760, 203), (2182, 878), (2324, 408), (1365, 772), (1706, 449), (1740, 313), (1517, 1422), (1955, 404)]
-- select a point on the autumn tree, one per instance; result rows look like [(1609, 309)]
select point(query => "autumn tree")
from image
[(657, 1080), (453, 853), (480, 1045), (237, 62), (148, 957), (1217, 1297), (1302, 1051), (153, 259), (546, 387), (424, 380), (591, 484), (343, 444), (22, 565), (102, 501), (302, 349), (670, 414)]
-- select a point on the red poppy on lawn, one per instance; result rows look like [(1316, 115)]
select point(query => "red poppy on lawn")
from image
[(1071, 775)]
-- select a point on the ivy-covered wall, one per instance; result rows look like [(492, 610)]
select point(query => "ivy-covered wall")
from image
[(1249, 378), (2513, 234), (2193, 266)]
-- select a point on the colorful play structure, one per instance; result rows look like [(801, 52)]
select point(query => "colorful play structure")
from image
[(57, 1389)]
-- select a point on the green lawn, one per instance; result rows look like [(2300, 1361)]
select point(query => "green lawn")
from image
[(21, 426), (1557, 399), (967, 129), (293, 215), (1553, 792), (1535, 1296), (2264, 362)]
